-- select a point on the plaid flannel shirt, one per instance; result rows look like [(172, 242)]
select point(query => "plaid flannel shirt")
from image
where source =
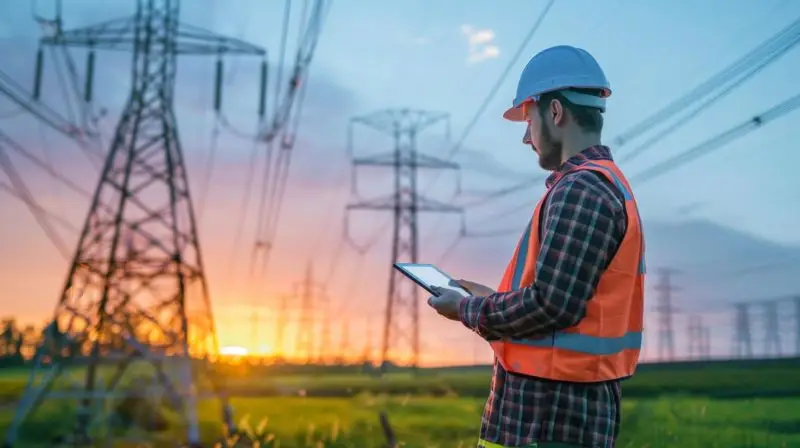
[(583, 223)]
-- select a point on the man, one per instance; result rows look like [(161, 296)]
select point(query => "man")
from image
[(566, 324)]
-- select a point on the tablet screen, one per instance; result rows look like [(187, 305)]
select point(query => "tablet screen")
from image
[(429, 275)]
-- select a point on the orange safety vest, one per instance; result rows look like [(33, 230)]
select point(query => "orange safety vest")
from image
[(605, 344)]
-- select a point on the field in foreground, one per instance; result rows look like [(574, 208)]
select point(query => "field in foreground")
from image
[(729, 404), (426, 422), (727, 379)]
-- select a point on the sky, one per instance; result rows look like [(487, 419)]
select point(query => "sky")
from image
[(439, 56)]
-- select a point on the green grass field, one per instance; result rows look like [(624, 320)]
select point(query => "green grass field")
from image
[(753, 404), (453, 422)]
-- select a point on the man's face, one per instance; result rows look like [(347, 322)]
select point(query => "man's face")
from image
[(542, 132)]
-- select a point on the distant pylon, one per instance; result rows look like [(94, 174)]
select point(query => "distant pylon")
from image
[(706, 345), (665, 288), (772, 339), (401, 320), (366, 355), (797, 326), (695, 335), (742, 344), (305, 325), (323, 317), (280, 325), (344, 343)]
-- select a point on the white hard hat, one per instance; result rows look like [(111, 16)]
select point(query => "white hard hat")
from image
[(559, 68)]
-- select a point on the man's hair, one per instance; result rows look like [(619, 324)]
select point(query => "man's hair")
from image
[(589, 119)]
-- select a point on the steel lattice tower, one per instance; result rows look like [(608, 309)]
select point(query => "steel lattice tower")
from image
[(136, 292), (743, 342), (796, 326), (772, 341), (401, 321), (306, 326), (665, 309)]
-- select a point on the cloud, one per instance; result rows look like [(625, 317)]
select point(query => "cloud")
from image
[(480, 44)]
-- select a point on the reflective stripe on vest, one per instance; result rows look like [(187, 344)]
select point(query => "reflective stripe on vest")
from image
[(584, 343), (522, 257)]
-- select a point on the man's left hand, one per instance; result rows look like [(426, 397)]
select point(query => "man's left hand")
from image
[(447, 303)]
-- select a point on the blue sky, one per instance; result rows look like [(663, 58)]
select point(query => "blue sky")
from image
[(379, 54)]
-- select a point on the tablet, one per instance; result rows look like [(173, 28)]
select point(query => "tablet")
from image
[(428, 275)]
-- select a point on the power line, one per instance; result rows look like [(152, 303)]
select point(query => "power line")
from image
[(718, 141), (26, 196), (48, 214), (770, 53), (495, 88), (784, 38), (727, 79), (479, 112)]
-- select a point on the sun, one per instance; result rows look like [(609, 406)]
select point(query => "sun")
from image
[(233, 350)]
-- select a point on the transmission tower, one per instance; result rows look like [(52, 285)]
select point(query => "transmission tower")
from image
[(136, 291), (401, 321), (695, 333), (305, 327), (324, 346), (797, 326), (344, 343), (742, 345), (665, 288), (705, 352), (772, 339), (366, 354), (280, 325)]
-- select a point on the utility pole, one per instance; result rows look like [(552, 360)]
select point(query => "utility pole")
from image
[(136, 290), (743, 347), (772, 339), (665, 288), (401, 320)]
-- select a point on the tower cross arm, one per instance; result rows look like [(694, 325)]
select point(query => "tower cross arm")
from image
[(392, 121), (423, 204), (426, 204), (381, 203), (420, 161), (121, 35)]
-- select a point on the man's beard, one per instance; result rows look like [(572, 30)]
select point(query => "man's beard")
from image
[(550, 152)]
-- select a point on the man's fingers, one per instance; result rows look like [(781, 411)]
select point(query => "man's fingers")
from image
[(468, 285)]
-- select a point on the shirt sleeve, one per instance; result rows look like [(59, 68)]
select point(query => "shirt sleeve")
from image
[(581, 231)]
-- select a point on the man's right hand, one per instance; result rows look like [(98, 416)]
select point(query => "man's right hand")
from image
[(475, 289)]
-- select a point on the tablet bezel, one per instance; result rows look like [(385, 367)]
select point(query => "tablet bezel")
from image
[(401, 267)]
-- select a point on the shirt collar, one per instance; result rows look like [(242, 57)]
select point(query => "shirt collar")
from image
[(598, 152)]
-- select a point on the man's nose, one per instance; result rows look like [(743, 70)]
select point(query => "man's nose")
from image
[(526, 137)]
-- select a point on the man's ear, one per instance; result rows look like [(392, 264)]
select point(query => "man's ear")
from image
[(558, 112)]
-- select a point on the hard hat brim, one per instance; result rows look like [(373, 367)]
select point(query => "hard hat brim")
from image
[(514, 114)]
